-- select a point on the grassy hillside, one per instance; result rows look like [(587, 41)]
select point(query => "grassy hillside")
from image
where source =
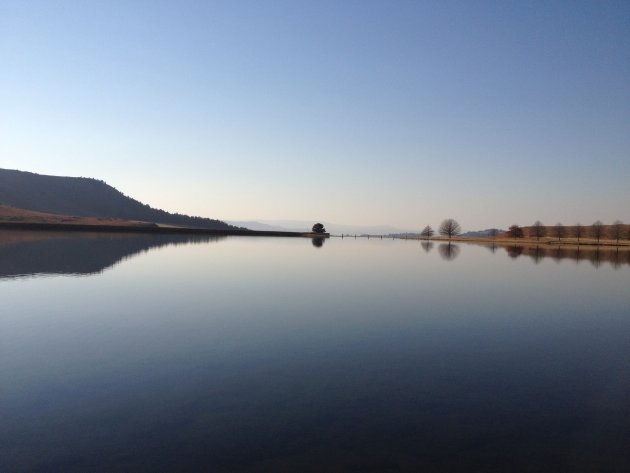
[(86, 197), (10, 214)]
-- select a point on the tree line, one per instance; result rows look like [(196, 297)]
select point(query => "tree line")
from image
[(617, 231)]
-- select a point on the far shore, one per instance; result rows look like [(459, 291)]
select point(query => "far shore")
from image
[(527, 241), (566, 242), (152, 229)]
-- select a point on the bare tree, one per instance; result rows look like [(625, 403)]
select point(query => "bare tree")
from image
[(427, 232), (450, 228), (617, 230), (538, 230), (559, 231), (493, 232), (597, 230), (579, 231), (515, 231)]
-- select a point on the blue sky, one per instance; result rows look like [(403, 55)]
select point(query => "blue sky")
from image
[(356, 112)]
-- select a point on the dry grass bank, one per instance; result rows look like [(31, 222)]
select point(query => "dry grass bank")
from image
[(10, 214)]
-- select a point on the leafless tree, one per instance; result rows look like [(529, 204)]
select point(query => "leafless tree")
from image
[(515, 231), (579, 231), (450, 228), (427, 232), (617, 230), (538, 230), (597, 230), (559, 231), (493, 232), (559, 253)]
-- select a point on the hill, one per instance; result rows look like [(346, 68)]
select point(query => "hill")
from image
[(86, 197), (483, 233)]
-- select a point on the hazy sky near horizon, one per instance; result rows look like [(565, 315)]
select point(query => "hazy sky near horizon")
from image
[(356, 112)]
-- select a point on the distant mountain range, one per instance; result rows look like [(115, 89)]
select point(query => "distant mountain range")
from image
[(483, 233), (86, 197)]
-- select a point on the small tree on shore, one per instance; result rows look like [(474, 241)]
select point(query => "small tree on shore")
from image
[(617, 230), (559, 231), (493, 232), (538, 230), (319, 228), (515, 231), (578, 231), (450, 228), (597, 230), (427, 232)]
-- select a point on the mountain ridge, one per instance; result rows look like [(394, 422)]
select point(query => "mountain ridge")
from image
[(86, 197)]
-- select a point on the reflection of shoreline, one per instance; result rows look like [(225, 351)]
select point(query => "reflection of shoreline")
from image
[(596, 255), (39, 253)]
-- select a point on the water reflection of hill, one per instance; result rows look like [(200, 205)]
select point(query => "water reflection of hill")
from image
[(596, 255), (35, 253)]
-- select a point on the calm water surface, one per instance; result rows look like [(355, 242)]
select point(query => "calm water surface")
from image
[(162, 354)]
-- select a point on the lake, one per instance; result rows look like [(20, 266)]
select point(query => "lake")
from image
[(166, 353)]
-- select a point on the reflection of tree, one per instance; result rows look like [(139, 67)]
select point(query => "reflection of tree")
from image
[(578, 257), (537, 254), (426, 246), (559, 253), (448, 251), (597, 255), (492, 247), (596, 260), (318, 242), (514, 251), (616, 260)]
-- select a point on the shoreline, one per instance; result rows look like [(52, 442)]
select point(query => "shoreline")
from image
[(62, 227), (566, 242)]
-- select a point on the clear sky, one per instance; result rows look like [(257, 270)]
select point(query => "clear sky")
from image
[(356, 112)]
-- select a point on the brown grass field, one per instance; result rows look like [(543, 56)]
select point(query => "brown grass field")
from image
[(10, 214)]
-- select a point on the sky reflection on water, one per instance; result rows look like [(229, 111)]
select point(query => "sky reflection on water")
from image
[(253, 354)]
